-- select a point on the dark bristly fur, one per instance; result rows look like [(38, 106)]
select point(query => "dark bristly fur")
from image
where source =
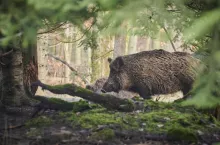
[(152, 72)]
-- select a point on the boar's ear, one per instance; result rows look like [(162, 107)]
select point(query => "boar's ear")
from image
[(118, 63), (109, 60)]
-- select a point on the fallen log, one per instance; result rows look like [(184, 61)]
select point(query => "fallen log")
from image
[(107, 100)]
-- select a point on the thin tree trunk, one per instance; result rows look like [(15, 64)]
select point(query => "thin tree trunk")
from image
[(132, 44), (95, 64), (68, 52), (141, 43), (151, 44), (119, 46)]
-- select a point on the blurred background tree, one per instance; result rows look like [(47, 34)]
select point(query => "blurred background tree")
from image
[(193, 22)]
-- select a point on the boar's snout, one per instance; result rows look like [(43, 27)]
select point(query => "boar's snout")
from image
[(110, 86), (103, 91)]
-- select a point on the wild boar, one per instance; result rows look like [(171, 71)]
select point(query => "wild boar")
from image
[(152, 72)]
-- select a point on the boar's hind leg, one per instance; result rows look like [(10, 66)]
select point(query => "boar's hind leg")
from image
[(186, 91)]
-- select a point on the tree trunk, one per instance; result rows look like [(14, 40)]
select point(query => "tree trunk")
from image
[(18, 72), (94, 64), (132, 44), (142, 43), (30, 68), (68, 52), (119, 46)]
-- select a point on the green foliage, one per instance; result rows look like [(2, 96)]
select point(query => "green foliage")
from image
[(22, 19), (206, 88), (147, 17), (202, 25)]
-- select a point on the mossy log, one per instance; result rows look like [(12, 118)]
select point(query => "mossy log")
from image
[(108, 101)]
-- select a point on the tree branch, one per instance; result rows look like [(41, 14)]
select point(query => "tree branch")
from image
[(70, 67), (52, 29), (104, 54), (64, 41), (171, 42), (6, 53)]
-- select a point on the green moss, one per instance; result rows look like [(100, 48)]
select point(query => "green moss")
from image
[(152, 105), (57, 101), (128, 105), (89, 120), (180, 133), (137, 98), (63, 86), (39, 122), (33, 132), (70, 87), (213, 119), (184, 122), (157, 118), (64, 114), (162, 118), (79, 106), (105, 134), (80, 89)]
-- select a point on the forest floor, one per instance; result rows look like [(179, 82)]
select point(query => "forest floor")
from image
[(91, 124)]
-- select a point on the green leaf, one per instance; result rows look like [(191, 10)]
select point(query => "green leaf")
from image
[(202, 25)]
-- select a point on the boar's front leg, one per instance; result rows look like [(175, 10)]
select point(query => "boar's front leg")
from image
[(143, 92)]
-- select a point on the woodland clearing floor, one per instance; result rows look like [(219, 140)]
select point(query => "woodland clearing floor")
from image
[(159, 123)]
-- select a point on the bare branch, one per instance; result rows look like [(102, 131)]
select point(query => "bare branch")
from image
[(171, 42), (52, 29), (64, 41), (7, 53), (70, 67), (104, 54)]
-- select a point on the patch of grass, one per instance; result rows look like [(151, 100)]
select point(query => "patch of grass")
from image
[(180, 133), (39, 122), (33, 132), (90, 120), (105, 134)]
